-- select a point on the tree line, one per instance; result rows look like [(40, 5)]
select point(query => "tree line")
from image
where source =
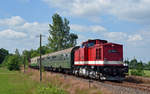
[(137, 67), (12, 61)]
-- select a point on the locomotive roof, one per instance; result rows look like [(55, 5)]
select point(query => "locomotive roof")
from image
[(111, 43), (95, 40)]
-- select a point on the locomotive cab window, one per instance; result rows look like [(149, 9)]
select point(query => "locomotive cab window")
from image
[(90, 44), (98, 53)]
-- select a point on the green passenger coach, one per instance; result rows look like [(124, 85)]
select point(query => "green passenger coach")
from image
[(61, 59)]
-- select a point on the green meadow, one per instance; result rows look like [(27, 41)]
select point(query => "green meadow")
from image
[(147, 73), (15, 82)]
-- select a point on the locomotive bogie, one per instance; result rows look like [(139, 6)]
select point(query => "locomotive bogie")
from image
[(101, 72)]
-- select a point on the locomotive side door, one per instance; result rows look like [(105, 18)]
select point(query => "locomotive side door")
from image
[(98, 57)]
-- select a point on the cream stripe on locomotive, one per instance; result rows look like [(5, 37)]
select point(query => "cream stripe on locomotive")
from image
[(97, 62)]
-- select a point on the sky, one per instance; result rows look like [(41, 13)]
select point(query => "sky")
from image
[(126, 22)]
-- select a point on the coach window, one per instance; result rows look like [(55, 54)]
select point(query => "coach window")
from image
[(98, 53)]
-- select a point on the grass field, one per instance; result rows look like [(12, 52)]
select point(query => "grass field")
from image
[(146, 72), (14, 82)]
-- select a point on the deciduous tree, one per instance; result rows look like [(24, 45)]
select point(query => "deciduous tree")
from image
[(3, 54), (60, 36)]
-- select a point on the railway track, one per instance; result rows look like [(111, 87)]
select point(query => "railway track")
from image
[(144, 87), (139, 86)]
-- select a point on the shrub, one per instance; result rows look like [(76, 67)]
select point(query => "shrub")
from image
[(50, 90), (12, 62), (137, 72)]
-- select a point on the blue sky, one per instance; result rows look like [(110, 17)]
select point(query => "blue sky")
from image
[(121, 21)]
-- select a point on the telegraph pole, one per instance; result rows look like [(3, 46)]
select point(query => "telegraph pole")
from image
[(24, 63), (40, 66), (40, 58)]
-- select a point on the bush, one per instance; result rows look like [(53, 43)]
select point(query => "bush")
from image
[(12, 62), (137, 72), (50, 90)]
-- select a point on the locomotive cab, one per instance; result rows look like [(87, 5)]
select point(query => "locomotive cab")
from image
[(113, 54)]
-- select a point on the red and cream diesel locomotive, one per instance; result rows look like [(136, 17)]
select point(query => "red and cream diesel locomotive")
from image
[(100, 59)]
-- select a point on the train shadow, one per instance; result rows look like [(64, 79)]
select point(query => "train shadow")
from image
[(133, 80)]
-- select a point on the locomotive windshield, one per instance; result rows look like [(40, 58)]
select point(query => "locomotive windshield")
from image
[(89, 44)]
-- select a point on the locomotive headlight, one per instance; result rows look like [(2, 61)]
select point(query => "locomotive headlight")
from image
[(125, 64), (121, 62)]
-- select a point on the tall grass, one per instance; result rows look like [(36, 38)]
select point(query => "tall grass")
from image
[(50, 90), (14, 82)]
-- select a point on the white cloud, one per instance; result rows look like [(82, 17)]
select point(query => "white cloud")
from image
[(85, 28), (16, 23), (131, 10), (35, 27), (11, 34), (19, 33), (13, 21), (77, 7), (116, 36), (97, 28), (98, 31), (135, 37)]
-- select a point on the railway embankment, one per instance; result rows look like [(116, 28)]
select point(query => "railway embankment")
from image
[(138, 79), (78, 85)]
